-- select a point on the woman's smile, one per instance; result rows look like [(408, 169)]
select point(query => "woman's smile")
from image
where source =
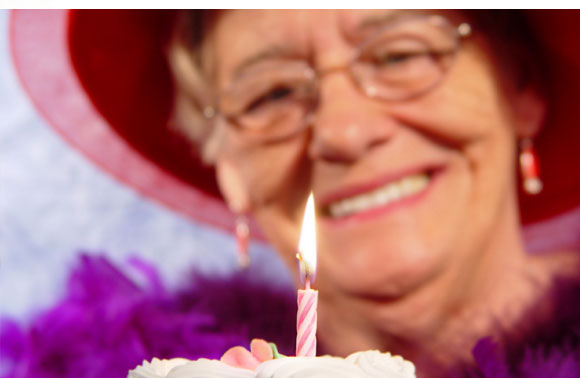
[(378, 197)]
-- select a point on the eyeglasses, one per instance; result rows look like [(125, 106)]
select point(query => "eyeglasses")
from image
[(277, 99)]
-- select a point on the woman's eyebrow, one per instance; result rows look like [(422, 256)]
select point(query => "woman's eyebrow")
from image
[(385, 19), (275, 51)]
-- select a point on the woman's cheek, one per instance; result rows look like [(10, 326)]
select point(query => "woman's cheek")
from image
[(464, 108), (276, 174)]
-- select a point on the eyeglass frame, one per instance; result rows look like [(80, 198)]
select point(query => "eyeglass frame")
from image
[(461, 31)]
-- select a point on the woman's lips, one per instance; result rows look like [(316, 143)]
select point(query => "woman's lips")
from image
[(372, 199)]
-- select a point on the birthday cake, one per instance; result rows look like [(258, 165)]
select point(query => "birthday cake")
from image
[(369, 364)]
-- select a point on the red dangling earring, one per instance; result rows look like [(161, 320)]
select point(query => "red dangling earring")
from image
[(243, 240), (529, 167)]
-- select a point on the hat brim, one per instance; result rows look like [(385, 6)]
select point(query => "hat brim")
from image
[(41, 51), (113, 96)]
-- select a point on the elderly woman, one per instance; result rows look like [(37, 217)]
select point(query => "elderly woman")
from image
[(407, 127)]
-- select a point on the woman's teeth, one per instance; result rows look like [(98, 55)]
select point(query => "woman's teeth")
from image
[(391, 192)]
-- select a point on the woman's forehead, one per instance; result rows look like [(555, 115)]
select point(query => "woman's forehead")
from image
[(241, 37), (261, 27), (348, 21)]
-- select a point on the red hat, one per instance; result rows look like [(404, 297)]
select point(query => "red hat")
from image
[(100, 79)]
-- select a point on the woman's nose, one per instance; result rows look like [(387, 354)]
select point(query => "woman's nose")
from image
[(347, 123)]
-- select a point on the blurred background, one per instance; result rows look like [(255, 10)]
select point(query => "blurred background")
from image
[(55, 204)]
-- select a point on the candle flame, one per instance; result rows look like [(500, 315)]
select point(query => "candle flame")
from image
[(307, 244)]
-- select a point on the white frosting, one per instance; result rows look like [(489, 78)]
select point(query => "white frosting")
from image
[(156, 368), (369, 364), (311, 367), (375, 363), (204, 368)]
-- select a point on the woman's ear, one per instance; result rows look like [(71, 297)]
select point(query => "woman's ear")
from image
[(232, 185), (530, 111)]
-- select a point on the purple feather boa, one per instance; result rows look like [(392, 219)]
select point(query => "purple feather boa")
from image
[(551, 349), (107, 324)]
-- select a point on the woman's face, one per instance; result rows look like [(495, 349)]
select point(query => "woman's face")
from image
[(406, 191)]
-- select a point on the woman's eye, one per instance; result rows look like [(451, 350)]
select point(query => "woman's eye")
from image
[(275, 94), (397, 57)]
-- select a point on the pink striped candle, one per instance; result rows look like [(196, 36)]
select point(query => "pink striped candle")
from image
[(307, 298), (306, 322)]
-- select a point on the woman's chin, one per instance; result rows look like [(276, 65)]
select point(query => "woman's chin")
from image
[(389, 256), (389, 280)]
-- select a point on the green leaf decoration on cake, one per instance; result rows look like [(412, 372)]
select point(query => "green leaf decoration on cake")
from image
[(275, 351)]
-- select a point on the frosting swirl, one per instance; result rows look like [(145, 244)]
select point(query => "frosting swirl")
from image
[(375, 363)]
